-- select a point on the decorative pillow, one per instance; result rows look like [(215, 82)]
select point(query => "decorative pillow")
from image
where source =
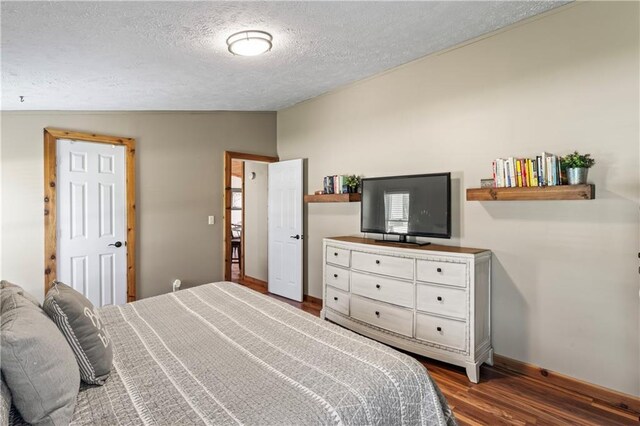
[(38, 365), (6, 285), (5, 408), (80, 324)]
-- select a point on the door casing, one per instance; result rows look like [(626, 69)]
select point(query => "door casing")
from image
[(51, 137), (229, 156)]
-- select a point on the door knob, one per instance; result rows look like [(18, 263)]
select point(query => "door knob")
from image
[(297, 236), (117, 244)]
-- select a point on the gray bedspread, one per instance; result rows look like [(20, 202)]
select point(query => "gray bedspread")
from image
[(223, 354)]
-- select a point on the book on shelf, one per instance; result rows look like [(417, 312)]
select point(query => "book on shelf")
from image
[(511, 172), (336, 184)]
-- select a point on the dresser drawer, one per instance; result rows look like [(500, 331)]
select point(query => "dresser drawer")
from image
[(448, 301), (392, 318), (337, 300), (442, 272), (441, 331), (337, 277), (399, 267), (384, 289), (338, 256)]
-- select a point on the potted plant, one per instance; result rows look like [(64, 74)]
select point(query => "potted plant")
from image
[(353, 183), (577, 166)]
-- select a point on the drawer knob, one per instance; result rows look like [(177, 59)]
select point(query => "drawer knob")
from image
[(335, 253), (377, 313), (335, 275), (439, 269), (439, 328), (335, 298), (377, 285), (439, 298), (377, 262)]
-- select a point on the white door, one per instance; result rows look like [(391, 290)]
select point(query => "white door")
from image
[(92, 220), (285, 229)]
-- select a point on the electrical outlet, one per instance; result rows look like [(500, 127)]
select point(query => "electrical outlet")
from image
[(212, 220)]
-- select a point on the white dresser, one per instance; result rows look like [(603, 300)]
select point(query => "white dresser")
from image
[(432, 300)]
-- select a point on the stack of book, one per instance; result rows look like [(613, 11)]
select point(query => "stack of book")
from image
[(335, 184), (544, 170)]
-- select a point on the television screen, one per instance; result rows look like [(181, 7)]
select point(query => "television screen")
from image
[(418, 205)]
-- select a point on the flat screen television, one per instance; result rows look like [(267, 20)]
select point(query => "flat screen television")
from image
[(416, 205)]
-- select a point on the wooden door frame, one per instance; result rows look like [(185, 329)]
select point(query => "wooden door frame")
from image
[(229, 156), (51, 137)]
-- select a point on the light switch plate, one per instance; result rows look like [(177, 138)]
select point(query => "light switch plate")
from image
[(212, 220)]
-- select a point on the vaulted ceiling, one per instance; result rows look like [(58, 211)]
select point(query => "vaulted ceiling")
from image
[(173, 56)]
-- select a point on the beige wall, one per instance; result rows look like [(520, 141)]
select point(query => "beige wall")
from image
[(565, 273), (179, 183), (255, 220)]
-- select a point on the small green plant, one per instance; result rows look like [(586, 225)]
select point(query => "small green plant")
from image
[(353, 182), (577, 161)]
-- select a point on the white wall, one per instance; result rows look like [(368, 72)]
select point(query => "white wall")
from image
[(565, 273), (255, 217), (180, 171)]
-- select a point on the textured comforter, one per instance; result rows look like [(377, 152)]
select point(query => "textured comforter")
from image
[(223, 354)]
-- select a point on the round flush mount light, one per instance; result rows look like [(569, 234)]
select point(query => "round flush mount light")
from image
[(250, 43)]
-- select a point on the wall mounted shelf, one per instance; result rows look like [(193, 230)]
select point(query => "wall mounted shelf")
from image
[(537, 193), (333, 198)]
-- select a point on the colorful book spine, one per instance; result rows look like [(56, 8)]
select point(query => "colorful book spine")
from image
[(532, 175), (512, 171), (493, 173), (539, 170), (507, 172), (543, 170)]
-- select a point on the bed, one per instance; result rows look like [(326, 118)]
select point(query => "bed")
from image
[(224, 354)]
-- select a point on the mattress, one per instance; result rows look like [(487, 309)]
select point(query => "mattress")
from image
[(224, 354)]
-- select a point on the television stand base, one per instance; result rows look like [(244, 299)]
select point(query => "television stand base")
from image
[(402, 242)]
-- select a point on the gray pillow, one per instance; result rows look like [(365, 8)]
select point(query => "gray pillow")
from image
[(5, 408), (6, 285), (80, 324), (38, 365)]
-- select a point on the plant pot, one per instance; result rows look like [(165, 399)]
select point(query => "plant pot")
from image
[(577, 176)]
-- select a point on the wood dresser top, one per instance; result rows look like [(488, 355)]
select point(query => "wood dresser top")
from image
[(430, 247)]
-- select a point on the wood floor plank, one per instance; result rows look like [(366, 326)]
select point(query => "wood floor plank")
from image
[(494, 411), (504, 397), (602, 406)]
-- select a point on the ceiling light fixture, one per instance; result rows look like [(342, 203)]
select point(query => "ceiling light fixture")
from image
[(249, 43)]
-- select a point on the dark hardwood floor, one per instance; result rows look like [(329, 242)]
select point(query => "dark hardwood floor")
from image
[(503, 397)]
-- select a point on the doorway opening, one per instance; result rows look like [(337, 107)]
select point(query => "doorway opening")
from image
[(245, 219)]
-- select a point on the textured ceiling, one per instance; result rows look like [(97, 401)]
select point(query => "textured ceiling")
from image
[(173, 56)]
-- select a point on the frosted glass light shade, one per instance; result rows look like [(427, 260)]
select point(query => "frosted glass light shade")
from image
[(249, 43)]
